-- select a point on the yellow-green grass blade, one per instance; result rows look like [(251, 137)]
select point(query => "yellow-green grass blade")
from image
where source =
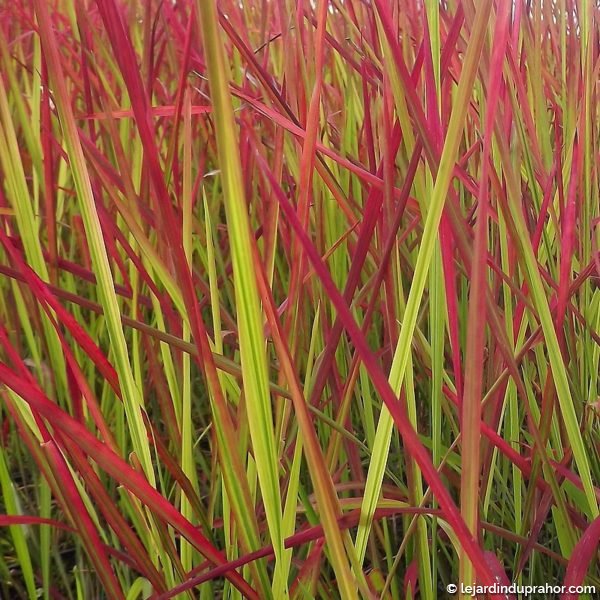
[(28, 225), (18, 532), (20, 107), (187, 454), (132, 398), (557, 366), (427, 247), (252, 350)]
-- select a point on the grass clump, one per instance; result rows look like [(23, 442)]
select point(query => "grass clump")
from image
[(298, 300)]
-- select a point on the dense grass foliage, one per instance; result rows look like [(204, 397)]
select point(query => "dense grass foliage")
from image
[(298, 299)]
